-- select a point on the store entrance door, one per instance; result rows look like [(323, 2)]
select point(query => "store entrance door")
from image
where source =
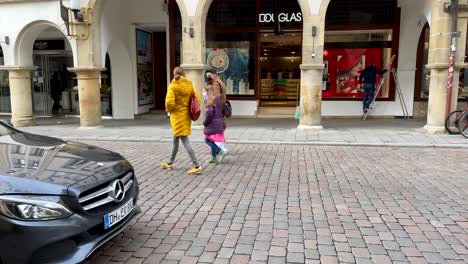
[(52, 91), (280, 58)]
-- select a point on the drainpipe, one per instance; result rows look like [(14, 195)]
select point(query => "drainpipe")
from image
[(453, 8)]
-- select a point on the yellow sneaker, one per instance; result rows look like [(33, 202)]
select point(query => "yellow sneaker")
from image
[(166, 165), (195, 170)]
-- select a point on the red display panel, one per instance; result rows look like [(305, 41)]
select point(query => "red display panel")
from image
[(344, 68)]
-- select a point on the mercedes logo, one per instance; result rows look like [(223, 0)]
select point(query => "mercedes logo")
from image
[(117, 191)]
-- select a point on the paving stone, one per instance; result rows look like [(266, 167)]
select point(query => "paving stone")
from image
[(397, 255), (381, 259), (328, 260), (327, 250), (346, 257), (277, 251), (225, 253), (360, 252), (207, 257), (295, 257), (276, 260), (377, 250), (244, 249), (432, 257), (240, 259)]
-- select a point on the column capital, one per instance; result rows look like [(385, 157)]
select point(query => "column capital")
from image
[(87, 73), (17, 68), (194, 66), (312, 66), (86, 69)]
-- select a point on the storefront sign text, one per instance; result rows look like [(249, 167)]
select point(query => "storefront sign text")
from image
[(281, 17)]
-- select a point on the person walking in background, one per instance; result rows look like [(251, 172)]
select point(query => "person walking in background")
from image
[(213, 124), (56, 89), (177, 104), (219, 90), (369, 75)]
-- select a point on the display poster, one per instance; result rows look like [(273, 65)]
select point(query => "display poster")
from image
[(344, 67), (232, 65), (144, 68)]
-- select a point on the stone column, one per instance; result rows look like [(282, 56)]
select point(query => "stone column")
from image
[(193, 53), (311, 96), (20, 95), (196, 74), (439, 49), (311, 69), (89, 95)]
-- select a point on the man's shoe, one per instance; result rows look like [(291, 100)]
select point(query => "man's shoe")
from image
[(195, 170), (212, 160), (166, 165), (220, 156)]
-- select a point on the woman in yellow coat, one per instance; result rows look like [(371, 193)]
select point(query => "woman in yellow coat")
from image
[(177, 104)]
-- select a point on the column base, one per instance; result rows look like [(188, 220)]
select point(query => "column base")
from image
[(305, 127), (91, 127), (434, 129), (23, 121)]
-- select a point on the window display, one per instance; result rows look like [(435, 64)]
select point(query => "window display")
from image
[(144, 68), (346, 54), (232, 57), (232, 65)]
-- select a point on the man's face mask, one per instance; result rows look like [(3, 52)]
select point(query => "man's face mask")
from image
[(208, 78)]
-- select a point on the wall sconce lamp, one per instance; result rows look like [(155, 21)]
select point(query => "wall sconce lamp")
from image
[(314, 33), (6, 40), (190, 31), (81, 17)]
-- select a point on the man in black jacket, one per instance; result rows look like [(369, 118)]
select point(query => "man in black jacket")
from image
[(369, 74)]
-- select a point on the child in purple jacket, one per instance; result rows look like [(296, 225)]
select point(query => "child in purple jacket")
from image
[(213, 123)]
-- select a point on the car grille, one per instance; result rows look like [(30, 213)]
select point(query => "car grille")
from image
[(105, 194)]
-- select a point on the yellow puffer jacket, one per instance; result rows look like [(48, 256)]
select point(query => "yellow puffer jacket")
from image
[(177, 104)]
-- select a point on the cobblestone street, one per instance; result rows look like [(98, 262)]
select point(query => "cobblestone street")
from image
[(271, 203)]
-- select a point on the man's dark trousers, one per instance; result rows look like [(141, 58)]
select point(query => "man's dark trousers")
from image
[(369, 90)]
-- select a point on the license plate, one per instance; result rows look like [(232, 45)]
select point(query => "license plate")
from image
[(116, 216)]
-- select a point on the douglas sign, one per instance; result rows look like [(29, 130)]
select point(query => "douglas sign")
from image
[(281, 17)]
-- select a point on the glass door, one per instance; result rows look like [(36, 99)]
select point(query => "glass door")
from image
[(279, 61), (52, 89)]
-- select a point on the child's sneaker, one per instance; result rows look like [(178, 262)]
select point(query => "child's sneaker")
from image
[(195, 170), (221, 155), (166, 165)]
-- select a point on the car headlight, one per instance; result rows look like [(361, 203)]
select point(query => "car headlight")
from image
[(33, 207)]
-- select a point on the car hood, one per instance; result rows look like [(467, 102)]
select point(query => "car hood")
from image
[(33, 164)]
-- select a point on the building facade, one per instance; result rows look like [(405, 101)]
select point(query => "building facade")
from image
[(273, 56)]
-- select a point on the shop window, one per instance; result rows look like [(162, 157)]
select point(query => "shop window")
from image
[(358, 12), (347, 53), (231, 54), (229, 13), (422, 73), (106, 89), (144, 68), (5, 103)]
